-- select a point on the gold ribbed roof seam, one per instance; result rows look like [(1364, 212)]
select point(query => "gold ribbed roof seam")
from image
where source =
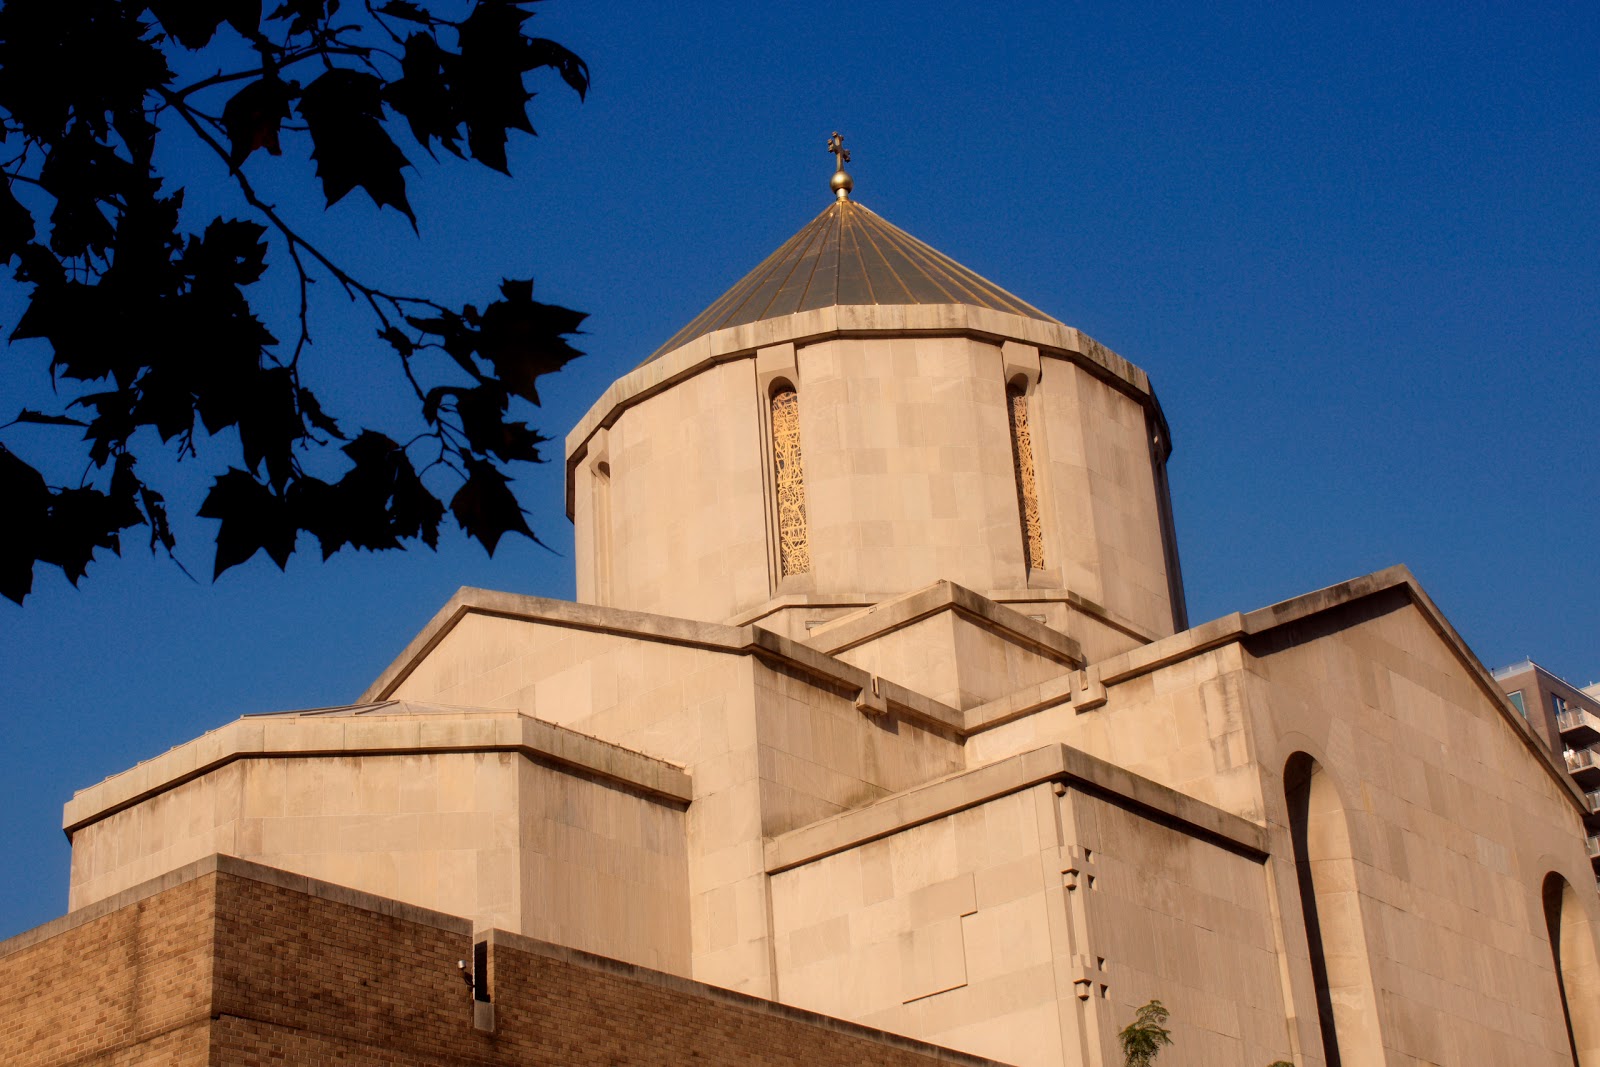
[(891, 238), (845, 228), (847, 255)]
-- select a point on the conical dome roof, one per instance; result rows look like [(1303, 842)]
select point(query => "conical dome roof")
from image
[(847, 255)]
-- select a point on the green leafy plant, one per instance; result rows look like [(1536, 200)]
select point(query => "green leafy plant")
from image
[(148, 313), (1143, 1039)]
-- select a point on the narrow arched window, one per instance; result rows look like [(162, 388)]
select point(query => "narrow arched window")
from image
[(1022, 466), (794, 548)]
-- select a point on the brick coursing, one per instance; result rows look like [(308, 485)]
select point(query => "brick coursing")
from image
[(130, 984), (231, 969)]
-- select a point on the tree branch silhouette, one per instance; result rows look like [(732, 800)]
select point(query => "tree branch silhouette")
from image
[(149, 318)]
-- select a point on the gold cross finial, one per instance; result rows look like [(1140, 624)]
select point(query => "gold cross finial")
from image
[(841, 183), (836, 146)]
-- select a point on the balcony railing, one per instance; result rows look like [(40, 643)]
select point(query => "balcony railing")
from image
[(1592, 842), (1578, 725), (1592, 799), (1569, 719), (1580, 759)]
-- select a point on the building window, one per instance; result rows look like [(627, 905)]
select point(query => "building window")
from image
[(1022, 466), (1558, 704), (1516, 702), (794, 548)]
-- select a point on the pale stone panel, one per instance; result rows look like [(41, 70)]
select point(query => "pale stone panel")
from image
[(908, 464), (954, 660), (626, 690), (909, 478), (819, 755), (919, 657), (981, 929), (688, 508), (602, 870), (1101, 506), (161, 834), (1162, 914), (796, 621), (1183, 725), (436, 830), (939, 932), (1454, 819), (1098, 638), (688, 706), (489, 836), (1453, 826), (992, 666)]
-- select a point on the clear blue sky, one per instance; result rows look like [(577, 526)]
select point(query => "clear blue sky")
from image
[(1356, 248)]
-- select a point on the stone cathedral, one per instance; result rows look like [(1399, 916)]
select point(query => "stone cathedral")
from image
[(879, 706)]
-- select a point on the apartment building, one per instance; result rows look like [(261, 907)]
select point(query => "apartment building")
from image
[(1567, 718)]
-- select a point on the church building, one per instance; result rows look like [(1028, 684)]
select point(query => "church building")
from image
[(879, 733)]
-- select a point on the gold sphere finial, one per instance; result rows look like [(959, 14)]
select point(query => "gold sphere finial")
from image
[(841, 184)]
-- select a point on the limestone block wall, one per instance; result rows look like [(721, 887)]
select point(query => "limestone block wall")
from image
[(1102, 495), (1029, 927), (767, 747), (908, 464), (1452, 829), (489, 835), (687, 705), (956, 660), (1099, 638), (602, 870), (684, 704), (820, 755), (1183, 724), (800, 617), (682, 502), (1168, 915), (667, 699), (165, 832), (436, 829), (909, 477), (1449, 819), (940, 929)]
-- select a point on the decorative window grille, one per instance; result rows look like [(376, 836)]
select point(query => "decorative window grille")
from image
[(1022, 465), (794, 549)]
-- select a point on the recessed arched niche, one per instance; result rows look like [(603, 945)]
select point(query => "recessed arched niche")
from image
[(1577, 965), (1330, 901)]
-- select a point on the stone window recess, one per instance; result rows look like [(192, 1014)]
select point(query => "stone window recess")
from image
[(601, 484), (794, 548), (1022, 465)]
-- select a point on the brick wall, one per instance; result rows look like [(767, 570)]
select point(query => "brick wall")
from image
[(124, 982), (556, 1005), (226, 962)]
